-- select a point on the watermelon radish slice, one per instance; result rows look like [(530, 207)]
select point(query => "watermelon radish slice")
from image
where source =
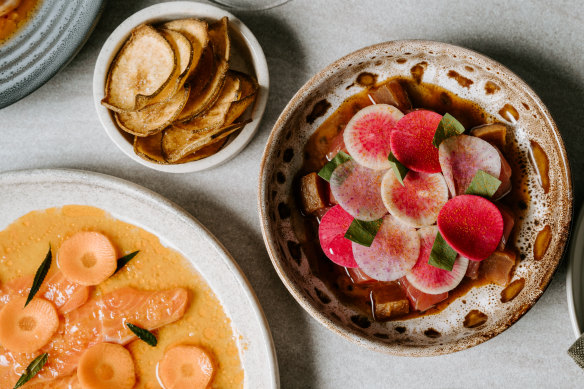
[(416, 202), (471, 225), (331, 233), (358, 190), (367, 135), (392, 254), (462, 156), (430, 279), (411, 141)]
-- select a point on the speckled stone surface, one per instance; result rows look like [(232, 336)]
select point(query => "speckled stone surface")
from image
[(57, 127)]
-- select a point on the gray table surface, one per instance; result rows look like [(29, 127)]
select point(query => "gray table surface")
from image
[(57, 127)]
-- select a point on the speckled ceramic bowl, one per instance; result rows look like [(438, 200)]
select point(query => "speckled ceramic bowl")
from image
[(506, 98)]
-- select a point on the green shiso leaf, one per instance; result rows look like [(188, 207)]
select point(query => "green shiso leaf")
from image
[(143, 334), (447, 127), (125, 259), (399, 170), (327, 170), (442, 255), (483, 184), (362, 232), (32, 369), (39, 277)]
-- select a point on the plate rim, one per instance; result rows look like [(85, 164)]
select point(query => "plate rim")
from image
[(71, 52), (188, 9), (263, 199), (574, 272), (122, 186)]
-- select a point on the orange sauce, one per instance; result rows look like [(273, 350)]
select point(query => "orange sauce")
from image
[(24, 243), (422, 95), (15, 19)]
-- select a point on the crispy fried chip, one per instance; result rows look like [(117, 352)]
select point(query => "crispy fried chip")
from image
[(196, 32), (205, 152), (153, 118), (219, 50), (150, 148), (248, 88), (142, 71), (175, 142), (184, 53)]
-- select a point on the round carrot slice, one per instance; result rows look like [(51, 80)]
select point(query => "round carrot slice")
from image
[(87, 258), (471, 225), (411, 141), (27, 329), (185, 366), (106, 365)]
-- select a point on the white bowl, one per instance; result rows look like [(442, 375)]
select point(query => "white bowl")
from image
[(247, 56)]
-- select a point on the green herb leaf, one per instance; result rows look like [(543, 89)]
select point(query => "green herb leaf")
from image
[(327, 170), (32, 369), (442, 255), (39, 277), (483, 184), (125, 259), (363, 232), (399, 170), (447, 127), (143, 334)]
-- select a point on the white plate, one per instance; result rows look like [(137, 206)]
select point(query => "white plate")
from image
[(25, 191), (575, 277), (247, 56)]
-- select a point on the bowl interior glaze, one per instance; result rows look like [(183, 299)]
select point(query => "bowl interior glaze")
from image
[(504, 97)]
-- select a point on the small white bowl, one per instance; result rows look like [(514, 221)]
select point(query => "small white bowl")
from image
[(247, 56)]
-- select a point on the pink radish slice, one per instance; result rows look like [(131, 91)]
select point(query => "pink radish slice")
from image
[(392, 254), (358, 190), (367, 135), (471, 225), (430, 279), (416, 202), (461, 156), (504, 177), (419, 300), (331, 233), (411, 141)]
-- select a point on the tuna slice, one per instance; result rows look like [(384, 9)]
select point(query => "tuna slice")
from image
[(462, 156), (66, 295), (101, 319), (419, 300), (472, 271), (508, 224)]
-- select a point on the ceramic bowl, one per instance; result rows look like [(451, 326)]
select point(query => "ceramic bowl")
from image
[(246, 56), (506, 98)]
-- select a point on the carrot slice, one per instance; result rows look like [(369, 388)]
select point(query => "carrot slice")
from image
[(185, 366), (27, 329), (87, 258), (106, 365)]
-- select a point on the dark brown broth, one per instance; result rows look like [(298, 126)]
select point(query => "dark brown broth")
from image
[(422, 95)]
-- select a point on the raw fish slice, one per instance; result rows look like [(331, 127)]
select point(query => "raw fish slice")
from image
[(358, 276), (499, 267), (472, 271), (358, 190), (367, 135), (430, 279), (504, 177), (419, 300), (416, 202), (461, 156), (331, 233), (392, 254), (471, 225), (66, 295), (508, 223), (337, 144), (411, 141), (101, 319)]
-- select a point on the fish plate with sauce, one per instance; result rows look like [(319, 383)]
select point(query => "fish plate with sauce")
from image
[(415, 197), (96, 296)]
